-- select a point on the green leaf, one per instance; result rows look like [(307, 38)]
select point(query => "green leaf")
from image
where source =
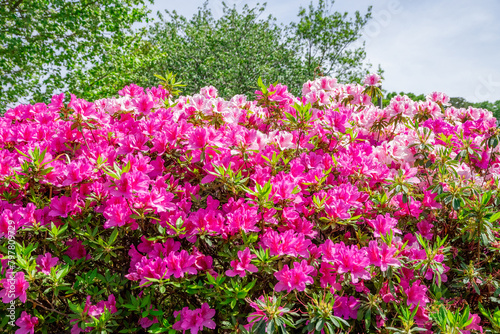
[(113, 236), (494, 217), (456, 203)]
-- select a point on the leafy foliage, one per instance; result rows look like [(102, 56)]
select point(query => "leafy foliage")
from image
[(48, 45), (160, 212)]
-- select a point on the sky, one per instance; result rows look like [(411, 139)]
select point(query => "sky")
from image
[(451, 46)]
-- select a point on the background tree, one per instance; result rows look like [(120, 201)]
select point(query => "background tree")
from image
[(88, 48), (231, 52), (44, 44), (326, 41)]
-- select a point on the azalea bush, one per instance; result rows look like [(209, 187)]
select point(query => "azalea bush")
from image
[(154, 212)]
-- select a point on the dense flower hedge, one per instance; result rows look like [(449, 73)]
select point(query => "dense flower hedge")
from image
[(321, 213)]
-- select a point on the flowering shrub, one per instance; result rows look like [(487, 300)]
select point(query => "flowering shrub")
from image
[(318, 214)]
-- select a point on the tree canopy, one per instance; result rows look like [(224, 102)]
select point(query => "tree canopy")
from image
[(46, 43), (92, 49)]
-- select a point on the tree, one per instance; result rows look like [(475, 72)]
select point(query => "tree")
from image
[(45, 43), (229, 53), (325, 39), (232, 52), (459, 102)]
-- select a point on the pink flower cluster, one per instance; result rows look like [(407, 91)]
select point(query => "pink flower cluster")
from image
[(194, 320), (195, 168)]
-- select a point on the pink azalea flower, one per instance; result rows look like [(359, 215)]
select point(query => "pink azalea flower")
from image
[(130, 183), (348, 259), (243, 265), (372, 80), (383, 224), (144, 104), (62, 206), (76, 172), (19, 289), (416, 294), (346, 307), (287, 243), (94, 311), (296, 278), (476, 320), (76, 250), (45, 262), (382, 256), (117, 214), (429, 200), (26, 323), (198, 139), (194, 320), (180, 264), (209, 92), (131, 90)]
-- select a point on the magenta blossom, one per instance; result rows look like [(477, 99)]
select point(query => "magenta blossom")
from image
[(76, 250), (372, 80), (94, 311), (476, 320), (296, 278), (14, 286), (382, 256), (417, 294), (194, 320), (346, 307), (45, 262), (26, 324), (383, 224), (243, 265), (351, 260)]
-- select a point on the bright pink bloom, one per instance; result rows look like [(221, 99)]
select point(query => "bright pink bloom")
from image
[(117, 214), (94, 311), (132, 90), (181, 263), (296, 278), (329, 276), (14, 286), (209, 92), (62, 206), (346, 307), (347, 259), (130, 183), (194, 320), (476, 320), (144, 104), (76, 172), (429, 200), (45, 262), (198, 139), (243, 265), (372, 80), (382, 256), (417, 293), (26, 323), (76, 250), (287, 243), (383, 224), (83, 109)]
